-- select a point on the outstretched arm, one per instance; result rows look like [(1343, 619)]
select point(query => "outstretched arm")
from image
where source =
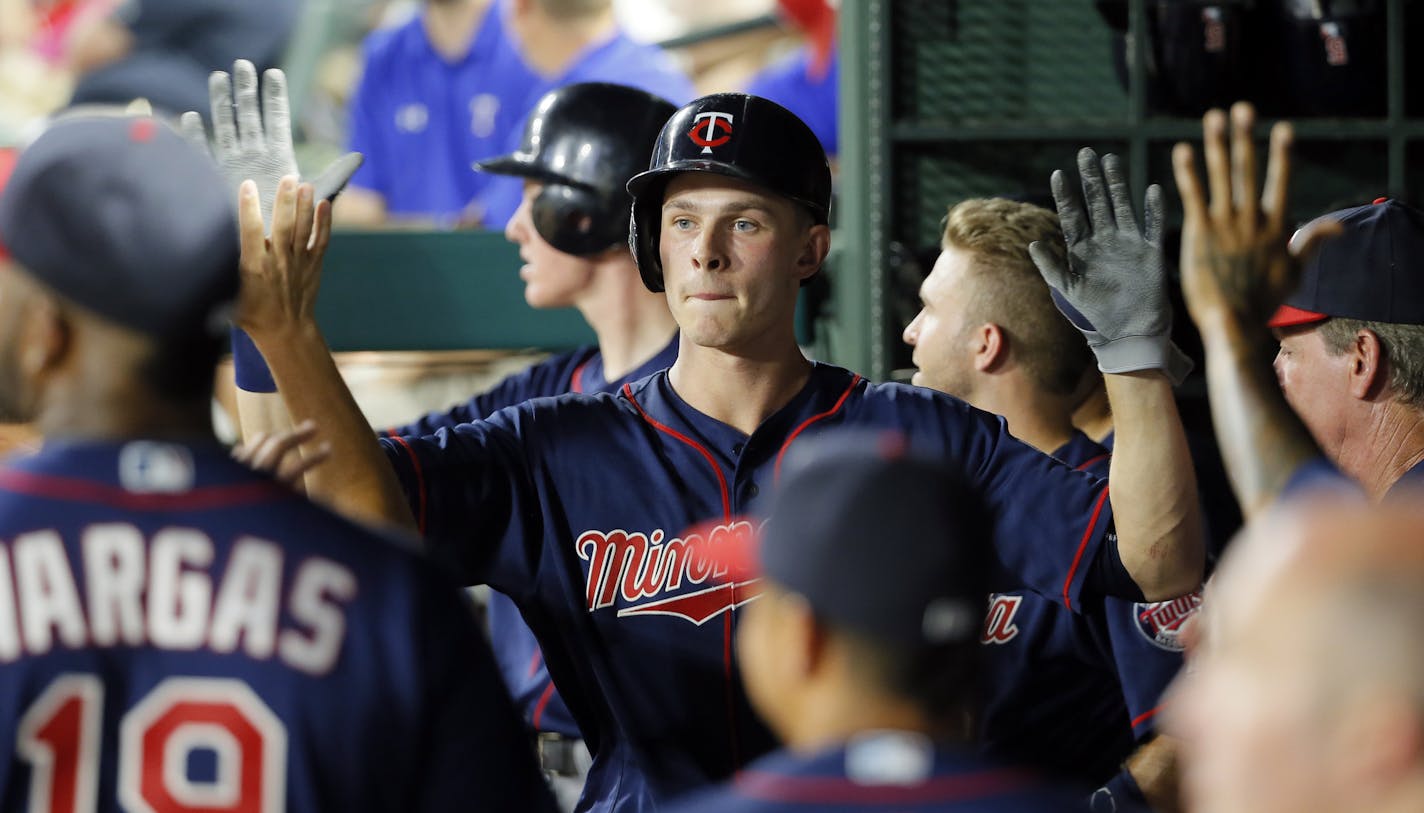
[(281, 275), (1236, 268), (1114, 290)]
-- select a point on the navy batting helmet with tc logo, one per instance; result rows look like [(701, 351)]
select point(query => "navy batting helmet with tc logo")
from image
[(732, 134)]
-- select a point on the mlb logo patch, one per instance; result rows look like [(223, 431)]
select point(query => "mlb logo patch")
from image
[(1162, 622)]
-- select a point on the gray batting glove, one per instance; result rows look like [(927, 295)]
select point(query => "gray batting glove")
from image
[(256, 144), (1114, 289)]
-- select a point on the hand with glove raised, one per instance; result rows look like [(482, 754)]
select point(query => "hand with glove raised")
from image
[(252, 142), (1114, 288)]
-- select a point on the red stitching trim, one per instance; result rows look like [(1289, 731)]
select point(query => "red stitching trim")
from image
[(419, 482), (534, 662), (776, 472), (197, 499), (1145, 716), (576, 380), (1083, 546), (711, 461), (542, 704), (1087, 464)]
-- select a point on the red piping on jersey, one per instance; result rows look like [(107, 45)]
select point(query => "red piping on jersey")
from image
[(576, 380), (776, 472), (540, 706), (838, 791), (1083, 546), (711, 461), (727, 624), (1145, 716), (196, 499), (534, 662), (1087, 464), (419, 482), (392, 433)]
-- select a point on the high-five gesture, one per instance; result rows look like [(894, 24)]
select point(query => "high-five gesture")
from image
[(1236, 263), (1114, 288), (254, 142)]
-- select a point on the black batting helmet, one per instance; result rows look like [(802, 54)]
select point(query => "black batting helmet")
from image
[(732, 134), (583, 142)]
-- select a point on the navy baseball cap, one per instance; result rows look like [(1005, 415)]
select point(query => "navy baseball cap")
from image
[(880, 542), (123, 217), (1373, 270)]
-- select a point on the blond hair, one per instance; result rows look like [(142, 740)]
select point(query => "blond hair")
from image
[(1009, 292)]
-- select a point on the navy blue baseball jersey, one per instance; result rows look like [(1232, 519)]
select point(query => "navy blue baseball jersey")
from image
[(603, 516), (179, 633), (1073, 693), (881, 771), (421, 120), (515, 648)]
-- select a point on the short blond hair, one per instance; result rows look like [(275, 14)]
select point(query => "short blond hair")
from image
[(1009, 292)]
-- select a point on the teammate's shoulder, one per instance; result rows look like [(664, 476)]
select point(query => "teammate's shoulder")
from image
[(399, 40)]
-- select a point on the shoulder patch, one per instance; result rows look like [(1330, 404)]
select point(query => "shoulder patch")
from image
[(1161, 622)]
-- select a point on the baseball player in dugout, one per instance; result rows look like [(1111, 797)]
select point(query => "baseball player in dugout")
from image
[(601, 515), (179, 632), (1067, 693), (862, 653), (1345, 300), (1322, 714)]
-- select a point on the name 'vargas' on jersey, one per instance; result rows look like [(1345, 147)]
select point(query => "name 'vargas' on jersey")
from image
[(160, 591)]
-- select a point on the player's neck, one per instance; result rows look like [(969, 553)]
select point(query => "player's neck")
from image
[(632, 323), (835, 718), (1093, 416), (740, 390), (1041, 420), (1390, 444), (118, 415), (450, 25), (550, 46)]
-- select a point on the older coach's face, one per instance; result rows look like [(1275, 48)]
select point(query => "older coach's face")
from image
[(733, 260)]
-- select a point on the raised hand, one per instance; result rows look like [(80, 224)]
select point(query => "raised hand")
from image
[(1237, 266), (280, 454), (253, 141), (281, 273), (1113, 287)]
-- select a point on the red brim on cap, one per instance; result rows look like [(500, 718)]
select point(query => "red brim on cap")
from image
[(1288, 316)]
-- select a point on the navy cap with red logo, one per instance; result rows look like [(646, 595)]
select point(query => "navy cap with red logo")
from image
[(122, 216), (1372, 271), (880, 542)]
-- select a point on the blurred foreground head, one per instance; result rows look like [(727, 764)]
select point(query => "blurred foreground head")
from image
[(1307, 689)]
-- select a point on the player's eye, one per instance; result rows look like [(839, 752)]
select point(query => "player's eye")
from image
[(681, 223), (742, 224)]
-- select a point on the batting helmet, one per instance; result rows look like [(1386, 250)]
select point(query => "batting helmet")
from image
[(737, 135), (583, 142)]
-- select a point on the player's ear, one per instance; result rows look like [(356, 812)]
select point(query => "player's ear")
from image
[(1367, 368), (814, 247), (991, 347), (48, 337)]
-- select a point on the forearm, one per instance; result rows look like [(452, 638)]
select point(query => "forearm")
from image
[(1153, 488), (1262, 440), (1153, 767), (356, 480)]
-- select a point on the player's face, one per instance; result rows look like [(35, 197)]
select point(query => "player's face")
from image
[(733, 260), (552, 279), (1316, 385), (941, 333), (1249, 714)]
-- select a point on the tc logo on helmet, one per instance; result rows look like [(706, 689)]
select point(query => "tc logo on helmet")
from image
[(707, 136)]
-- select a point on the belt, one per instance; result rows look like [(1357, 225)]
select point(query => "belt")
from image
[(560, 755)]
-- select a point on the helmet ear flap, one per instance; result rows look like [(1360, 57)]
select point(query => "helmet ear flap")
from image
[(644, 235), (575, 220)]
